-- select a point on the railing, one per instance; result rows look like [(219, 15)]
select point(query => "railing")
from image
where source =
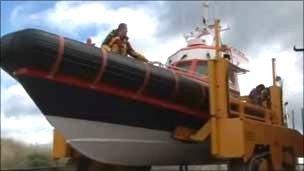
[(239, 107), (244, 109)]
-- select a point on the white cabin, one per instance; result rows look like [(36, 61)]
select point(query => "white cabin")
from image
[(192, 60)]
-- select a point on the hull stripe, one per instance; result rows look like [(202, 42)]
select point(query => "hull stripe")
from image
[(59, 58), (145, 82), (104, 57)]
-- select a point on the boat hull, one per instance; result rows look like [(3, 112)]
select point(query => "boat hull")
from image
[(112, 129), (128, 145)]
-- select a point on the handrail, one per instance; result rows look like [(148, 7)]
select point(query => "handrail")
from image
[(235, 100), (246, 116), (254, 117), (241, 110)]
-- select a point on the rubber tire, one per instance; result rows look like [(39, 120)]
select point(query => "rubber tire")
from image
[(237, 165), (287, 166)]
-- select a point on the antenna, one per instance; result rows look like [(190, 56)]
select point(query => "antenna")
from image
[(206, 28), (205, 13), (201, 30)]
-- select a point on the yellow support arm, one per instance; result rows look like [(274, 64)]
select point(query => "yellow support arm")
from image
[(60, 148)]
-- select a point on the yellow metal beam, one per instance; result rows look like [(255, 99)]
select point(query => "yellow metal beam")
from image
[(217, 29), (60, 148), (219, 99), (218, 96), (276, 105), (202, 133), (183, 133), (231, 141), (273, 72)]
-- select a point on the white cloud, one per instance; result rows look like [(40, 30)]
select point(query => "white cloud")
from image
[(159, 49), (261, 68), (16, 102), (20, 118), (30, 129), (74, 17)]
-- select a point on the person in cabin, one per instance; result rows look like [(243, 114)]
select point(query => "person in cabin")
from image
[(117, 42), (256, 94)]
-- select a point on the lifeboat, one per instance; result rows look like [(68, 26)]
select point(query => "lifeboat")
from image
[(112, 108)]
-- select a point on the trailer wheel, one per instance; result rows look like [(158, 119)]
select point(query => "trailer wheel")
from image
[(261, 165), (288, 167), (237, 165), (289, 160), (259, 162), (82, 163)]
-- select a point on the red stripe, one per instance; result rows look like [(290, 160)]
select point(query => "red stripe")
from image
[(104, 57), (198, 44), (146, 80), (59, 57), (198, 47), (193, 75), (113, 90)]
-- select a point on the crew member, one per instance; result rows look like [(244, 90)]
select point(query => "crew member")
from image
[(117, 42), (89, 42), (256, 94), (266, 97)]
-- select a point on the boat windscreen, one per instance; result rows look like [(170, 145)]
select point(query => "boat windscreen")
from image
[(184, 65), (201, 68)]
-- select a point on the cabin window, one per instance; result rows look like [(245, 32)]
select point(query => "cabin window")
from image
[(184, 65), (184, 56), (202, 68), (208, 55), (227, 56)]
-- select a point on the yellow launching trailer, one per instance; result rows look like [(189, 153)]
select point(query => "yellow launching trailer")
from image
[(248, 141)]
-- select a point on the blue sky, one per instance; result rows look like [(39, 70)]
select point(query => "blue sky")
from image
[(8, 6), (155, 29)]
